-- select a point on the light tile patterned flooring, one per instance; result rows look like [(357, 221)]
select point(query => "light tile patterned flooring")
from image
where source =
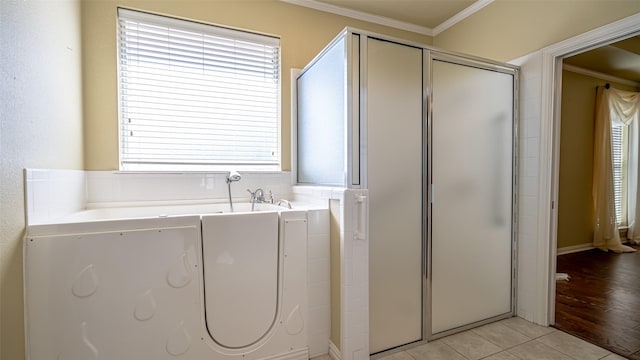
[(510, 339)]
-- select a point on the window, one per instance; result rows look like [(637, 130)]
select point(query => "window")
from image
[(619, 144), (196, 97)]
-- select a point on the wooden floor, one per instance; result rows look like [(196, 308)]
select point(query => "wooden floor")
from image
[(601, 301)]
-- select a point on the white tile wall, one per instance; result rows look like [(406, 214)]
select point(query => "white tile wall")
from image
[(529, 181), (354, 302), (355, 276), (319, 264), (318, 282), (106, 187), (51, 194), (315, 196)]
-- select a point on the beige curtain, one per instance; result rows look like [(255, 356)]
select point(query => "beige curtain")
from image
[(612, 105)]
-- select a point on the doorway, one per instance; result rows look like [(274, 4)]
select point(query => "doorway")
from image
[(588, 304), (597, 303)]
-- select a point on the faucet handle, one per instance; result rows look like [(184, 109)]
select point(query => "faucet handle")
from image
[(272, 199), (253, 194), (285, 203)]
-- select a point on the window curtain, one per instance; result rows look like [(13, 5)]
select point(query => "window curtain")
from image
[(621, 107)]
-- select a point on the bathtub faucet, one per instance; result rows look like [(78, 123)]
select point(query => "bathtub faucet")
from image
[(258, 197)]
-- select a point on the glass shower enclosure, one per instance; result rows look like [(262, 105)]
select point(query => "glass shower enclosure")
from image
[(432, 136)]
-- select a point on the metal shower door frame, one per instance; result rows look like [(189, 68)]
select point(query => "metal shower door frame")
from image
[(463, 60)]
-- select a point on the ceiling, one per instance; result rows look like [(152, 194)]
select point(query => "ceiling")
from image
[(428, 17), (620, 59), (426, 13), (431, 17)]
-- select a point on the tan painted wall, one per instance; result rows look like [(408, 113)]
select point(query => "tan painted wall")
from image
[(575, 204), (304, 32), (508, 29), (40, 127)]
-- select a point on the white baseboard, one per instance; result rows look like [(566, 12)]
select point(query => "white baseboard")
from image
[(575, 248), (334, 352)]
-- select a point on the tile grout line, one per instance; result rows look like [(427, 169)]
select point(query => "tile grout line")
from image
[(536, 337), (452, 348), (571, 356), (482, 337), (519, 332), (507, 348), (609, 352), (411, 355)]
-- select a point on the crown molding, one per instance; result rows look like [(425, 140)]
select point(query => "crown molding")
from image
[(599, 75), (376, 19), (465, 13)]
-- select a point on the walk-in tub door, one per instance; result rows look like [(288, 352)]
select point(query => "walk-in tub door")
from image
[(472, 163), (240, 257)]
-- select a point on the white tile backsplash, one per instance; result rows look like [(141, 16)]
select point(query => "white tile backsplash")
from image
[(318, 222), (317, 196), (52, 194), (105, 187)]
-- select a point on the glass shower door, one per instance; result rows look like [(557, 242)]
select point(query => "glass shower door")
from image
[(471, 194), (394, 181)]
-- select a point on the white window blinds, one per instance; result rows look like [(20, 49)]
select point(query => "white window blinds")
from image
[(195, 96), (619, 154)]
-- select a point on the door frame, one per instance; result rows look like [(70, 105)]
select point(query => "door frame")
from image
[(549, 150)]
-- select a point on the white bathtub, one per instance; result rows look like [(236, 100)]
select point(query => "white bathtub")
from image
[(173, 282)]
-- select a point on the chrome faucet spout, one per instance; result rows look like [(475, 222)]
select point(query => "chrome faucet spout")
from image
[(259, 195), (256, 197)]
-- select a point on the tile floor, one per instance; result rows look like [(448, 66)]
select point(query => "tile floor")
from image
[(510, 339)]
